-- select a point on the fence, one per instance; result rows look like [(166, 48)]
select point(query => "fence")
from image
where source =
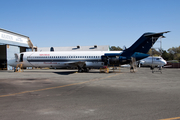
[(172, 65)]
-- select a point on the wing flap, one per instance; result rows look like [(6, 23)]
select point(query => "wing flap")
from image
[(79, 63)]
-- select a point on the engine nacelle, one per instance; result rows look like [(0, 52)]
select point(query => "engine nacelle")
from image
[(122, 59), (113, 60)]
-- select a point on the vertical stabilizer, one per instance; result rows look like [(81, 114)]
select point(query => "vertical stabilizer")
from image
[(143, 44)]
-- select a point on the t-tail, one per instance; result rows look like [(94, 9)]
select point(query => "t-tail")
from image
[(143, 44), (138, 50)]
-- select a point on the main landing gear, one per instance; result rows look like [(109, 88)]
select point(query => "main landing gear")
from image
[(83, 69)]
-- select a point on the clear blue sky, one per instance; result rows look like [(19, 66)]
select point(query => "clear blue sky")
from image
[(91, 22)]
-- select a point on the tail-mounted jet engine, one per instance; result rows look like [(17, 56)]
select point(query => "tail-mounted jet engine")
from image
[(113, 60), (105, 59)]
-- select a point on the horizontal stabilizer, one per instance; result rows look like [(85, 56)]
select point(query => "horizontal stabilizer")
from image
[(153, 34)]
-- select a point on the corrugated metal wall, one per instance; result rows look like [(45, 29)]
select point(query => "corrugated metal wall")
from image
[(11, 50)]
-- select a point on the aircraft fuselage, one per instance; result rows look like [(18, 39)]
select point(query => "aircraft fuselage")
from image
[(61, 59)]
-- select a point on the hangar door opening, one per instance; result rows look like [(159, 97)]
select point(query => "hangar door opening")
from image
[(3, 56)]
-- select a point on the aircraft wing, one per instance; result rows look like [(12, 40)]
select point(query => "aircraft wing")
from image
[(79, 63)]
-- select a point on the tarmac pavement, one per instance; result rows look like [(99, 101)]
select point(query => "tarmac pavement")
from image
[(68, 95)]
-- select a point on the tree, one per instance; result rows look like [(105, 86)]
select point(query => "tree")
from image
[(174, 53), (171, 54), (165, 55), (154, 52)]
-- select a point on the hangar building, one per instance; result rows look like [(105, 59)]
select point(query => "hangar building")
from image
[(11, 43)]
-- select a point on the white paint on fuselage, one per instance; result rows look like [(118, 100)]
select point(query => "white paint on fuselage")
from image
[(153, 61), (61, 59)]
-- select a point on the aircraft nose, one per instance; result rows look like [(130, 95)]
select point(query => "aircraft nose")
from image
[(165, 62)]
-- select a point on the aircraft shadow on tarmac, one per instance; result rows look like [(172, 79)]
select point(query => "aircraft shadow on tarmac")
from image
[(65, 73), (72, 72)]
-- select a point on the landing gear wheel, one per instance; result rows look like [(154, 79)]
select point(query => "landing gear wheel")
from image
[(132, 69), (80, 70), (152, 68), (86, 70)]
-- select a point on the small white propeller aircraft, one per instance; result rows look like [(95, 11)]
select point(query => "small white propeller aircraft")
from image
[(153, 61)]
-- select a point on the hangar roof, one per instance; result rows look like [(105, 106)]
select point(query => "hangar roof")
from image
[(12, 38), (13, 32)]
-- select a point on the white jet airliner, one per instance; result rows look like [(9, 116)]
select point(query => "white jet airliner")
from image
[(85, 60)]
